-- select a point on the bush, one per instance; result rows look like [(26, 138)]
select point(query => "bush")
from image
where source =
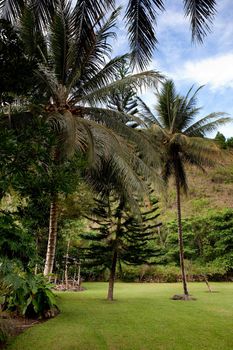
[(150, 273), (171, 273), (29, 295)]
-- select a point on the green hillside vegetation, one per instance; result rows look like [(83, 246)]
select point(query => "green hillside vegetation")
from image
[(208, 191)]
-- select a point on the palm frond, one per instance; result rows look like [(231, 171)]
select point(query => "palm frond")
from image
[(44, 9), (112, 118), (103, 77), (141, 19), (91, 48), (10, 9), (48, 77), (201, 152), (117, 167), (201, 14), (87, 15), (101, 48), (61, 32), (85, 139), (186, 109), (166, 100), (139, 80), (64, 125), (207, 124), (32, 36), (146, 114), (95, 10)]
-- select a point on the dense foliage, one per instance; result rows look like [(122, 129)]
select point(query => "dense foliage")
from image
[(16, 69), (28, 295), (223, 142)]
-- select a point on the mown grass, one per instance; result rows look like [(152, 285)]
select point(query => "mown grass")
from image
[(142, 318)]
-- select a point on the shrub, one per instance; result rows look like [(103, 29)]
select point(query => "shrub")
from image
[(29, 295), (150, 273)]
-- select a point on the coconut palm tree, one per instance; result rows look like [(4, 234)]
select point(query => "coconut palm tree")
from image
[(181, 136), (140, 16), (73, 79)]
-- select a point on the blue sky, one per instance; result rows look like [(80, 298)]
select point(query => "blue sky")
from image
[(209, 64)]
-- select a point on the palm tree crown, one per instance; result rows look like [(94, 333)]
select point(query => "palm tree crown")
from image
[(181, 133)]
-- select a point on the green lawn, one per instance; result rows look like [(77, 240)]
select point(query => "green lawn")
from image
[(142, 318)]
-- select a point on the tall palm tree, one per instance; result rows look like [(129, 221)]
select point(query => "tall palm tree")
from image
[(140, 16), (181, 136), (74, 77)]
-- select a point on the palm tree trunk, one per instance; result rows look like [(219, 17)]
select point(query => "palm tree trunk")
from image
[(112, 276), (52, 239), (180, 236)]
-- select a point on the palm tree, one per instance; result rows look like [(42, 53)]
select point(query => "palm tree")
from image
[(181, 136), (74, 77), (140, 16)]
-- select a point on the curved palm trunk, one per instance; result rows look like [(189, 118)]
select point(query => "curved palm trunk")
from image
[(112, 276), (52, 239), (180, 236)]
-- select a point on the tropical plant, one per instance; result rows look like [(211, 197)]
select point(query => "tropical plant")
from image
[(182, 141), (28, 295), (140, 16)]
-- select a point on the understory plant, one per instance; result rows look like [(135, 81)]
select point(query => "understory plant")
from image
[(29, 296)]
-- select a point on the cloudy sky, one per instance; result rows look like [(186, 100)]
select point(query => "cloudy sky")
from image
[(209, 64)]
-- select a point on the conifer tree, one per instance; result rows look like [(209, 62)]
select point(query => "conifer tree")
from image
[(120, 236)]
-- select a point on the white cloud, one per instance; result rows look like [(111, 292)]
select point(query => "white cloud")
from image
[(172, 19), (217, 71)]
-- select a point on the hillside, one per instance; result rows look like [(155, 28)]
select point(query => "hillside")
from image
[(209, 190)]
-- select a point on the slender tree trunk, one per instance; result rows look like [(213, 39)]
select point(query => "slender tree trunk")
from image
[(66, 263), (52, 239), (79, 275), (112, 276), (207, 283), (180, 236), (36, 265), (115, 252)]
